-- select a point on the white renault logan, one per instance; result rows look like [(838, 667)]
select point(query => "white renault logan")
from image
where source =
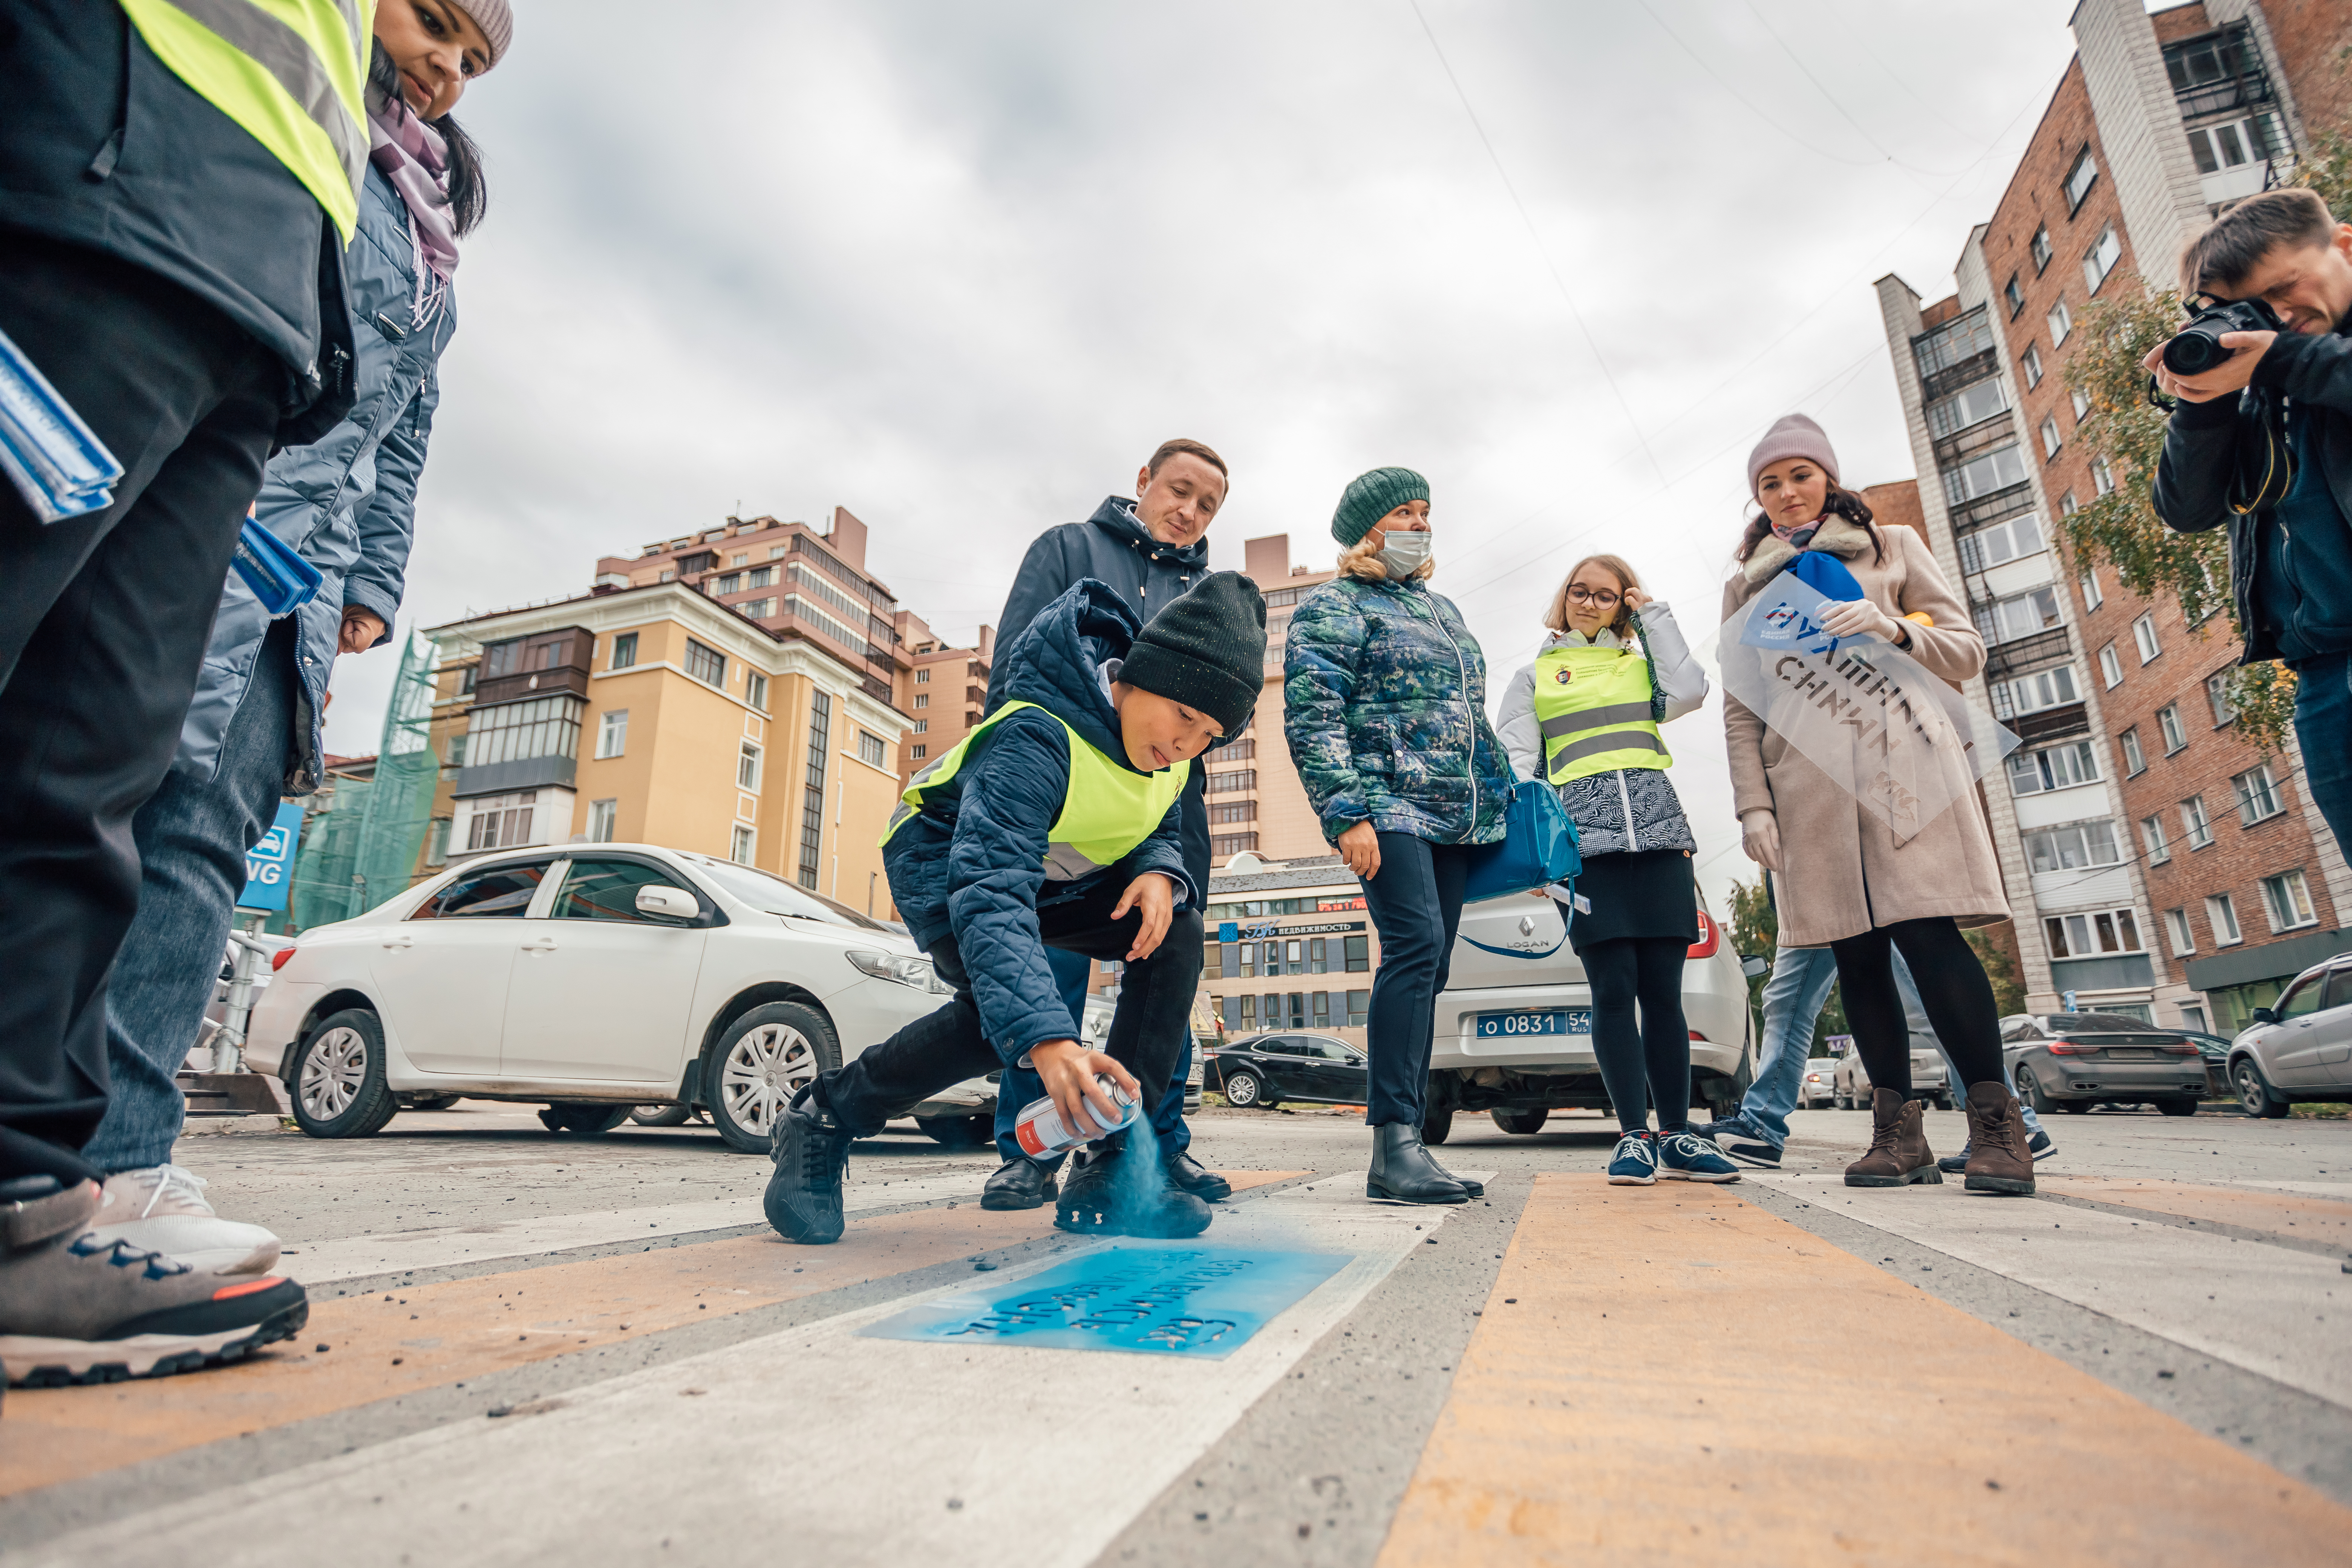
[(590, 979)]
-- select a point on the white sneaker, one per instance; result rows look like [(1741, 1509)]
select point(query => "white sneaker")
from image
[(162, 1209)]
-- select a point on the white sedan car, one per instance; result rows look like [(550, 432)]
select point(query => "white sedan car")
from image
[(588, 978)]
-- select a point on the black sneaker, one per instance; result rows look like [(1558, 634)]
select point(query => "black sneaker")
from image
[(1020, 1183), (1188, 1174), (804, 1195), (1952, 1164), (1741, 1143), (1106, 1196), (2040, 1146)]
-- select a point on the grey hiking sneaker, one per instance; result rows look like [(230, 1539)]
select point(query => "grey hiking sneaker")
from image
[(75, 1309), (809, 1149)]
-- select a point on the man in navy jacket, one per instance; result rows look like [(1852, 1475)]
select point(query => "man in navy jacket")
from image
[(1151, 550)]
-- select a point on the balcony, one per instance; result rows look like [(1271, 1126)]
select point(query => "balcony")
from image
[(539, 666), (1952, 377), (2220, 70), (2116, 971), (1993, 506), (2028, 652), (2049, 724), (1976, 440)]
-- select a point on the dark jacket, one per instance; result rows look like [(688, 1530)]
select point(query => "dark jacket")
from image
[(972, 861), (1113, 547), (1385, 705), (346, 502), (106, 147), (2202, 447)]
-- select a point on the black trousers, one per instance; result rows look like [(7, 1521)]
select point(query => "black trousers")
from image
[(103, 622), (1148, 1030), (1415, 902)]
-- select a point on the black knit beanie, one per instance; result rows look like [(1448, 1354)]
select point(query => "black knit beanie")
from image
[(1206, 650)]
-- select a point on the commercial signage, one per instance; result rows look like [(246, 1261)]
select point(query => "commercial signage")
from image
[(1233, 931), (269, 865)]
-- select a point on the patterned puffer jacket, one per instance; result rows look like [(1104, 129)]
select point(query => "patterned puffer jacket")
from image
[(1385, 705)]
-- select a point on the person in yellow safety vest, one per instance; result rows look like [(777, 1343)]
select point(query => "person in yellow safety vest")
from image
[(1585, 717), (177, 181), (1054, 824)]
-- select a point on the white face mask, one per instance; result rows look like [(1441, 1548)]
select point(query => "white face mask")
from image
[(1403, 553)]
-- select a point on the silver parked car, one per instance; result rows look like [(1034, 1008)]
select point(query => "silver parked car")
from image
[(2072, 1061), (1931, 1080), (1819, 1086), (2299, 1047)]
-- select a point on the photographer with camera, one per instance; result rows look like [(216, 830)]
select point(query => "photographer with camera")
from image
[(2262, 441)]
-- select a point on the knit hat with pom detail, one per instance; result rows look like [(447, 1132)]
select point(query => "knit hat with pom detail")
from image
[(1372, 496), (1206, 650)]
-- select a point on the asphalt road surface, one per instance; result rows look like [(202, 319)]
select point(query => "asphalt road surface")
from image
[(527, 1347)]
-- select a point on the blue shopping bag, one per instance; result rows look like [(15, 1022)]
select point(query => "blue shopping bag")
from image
[(1538, 851)]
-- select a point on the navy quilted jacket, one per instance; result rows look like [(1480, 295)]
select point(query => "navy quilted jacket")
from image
[(972, 862)]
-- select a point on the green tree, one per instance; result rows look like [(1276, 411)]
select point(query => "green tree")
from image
[(1756, 929), (2008, 990)]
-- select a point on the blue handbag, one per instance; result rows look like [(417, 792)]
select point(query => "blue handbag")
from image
[(1539, 848)]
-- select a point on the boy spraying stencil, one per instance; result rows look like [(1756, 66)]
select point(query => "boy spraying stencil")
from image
[(1054, 824)]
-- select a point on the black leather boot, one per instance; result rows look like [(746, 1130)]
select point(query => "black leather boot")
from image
[(1020, 1183), (1188, 1174), (1402, 1171)]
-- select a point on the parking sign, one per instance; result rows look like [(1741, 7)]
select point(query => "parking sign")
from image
[(269, 865)]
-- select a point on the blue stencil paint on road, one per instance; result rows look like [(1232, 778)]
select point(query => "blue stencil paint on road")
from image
[(1157, 1301)]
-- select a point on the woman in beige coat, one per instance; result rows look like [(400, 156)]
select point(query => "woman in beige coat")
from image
[(1842, 877)]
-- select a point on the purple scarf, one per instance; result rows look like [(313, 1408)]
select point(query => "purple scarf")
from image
[(416, 161), (1797, 535)]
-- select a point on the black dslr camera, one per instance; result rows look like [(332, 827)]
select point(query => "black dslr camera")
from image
[(2198, 348)]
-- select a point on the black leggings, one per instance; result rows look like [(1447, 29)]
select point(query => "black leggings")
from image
[(1653, 1061), (1952, 988)]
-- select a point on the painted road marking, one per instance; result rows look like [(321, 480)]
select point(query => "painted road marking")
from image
[(2268, 1310), (814, 1443), (1691, 1379), (2325, 1220)]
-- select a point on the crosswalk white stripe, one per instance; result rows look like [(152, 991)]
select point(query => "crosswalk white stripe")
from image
[(2264, 1308), (812, 1445)]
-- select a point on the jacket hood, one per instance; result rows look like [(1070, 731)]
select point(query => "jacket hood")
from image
[(1057, 662), (1837, 537), (1117, 517)]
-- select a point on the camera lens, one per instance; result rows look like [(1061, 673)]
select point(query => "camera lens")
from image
[(2197, 350)]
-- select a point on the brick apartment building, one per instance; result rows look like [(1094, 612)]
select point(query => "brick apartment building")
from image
[(2158, 864)]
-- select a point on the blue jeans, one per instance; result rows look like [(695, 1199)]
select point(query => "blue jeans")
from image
[(2323, 717), (1793, 1000), (192, 839), (1019, 1087)]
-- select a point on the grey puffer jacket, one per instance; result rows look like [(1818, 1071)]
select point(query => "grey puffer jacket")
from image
[(347, 503), (1631, 809)]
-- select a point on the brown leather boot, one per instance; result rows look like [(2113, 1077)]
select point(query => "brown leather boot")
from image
[(1898, 1155), (1998, 1161)]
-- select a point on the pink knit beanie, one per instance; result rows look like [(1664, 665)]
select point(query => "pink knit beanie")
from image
[(496, 22), (1791, 436)]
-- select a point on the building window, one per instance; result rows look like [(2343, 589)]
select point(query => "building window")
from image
[(2061, 320), (745, 841), (2103, 478), (747, 767), (501, 821), (2073, 847), (436, 842), (1235, 810), (611, 733), (2003, 542), (755, 691), (2144, 637), (511, 731), (2258, 795), (2093, 595), (2031, 363), (2014, 295), (1996, 470), (2223, 916), (922, 678), (1241, 750), (2022, 616), (922, 726), (812, 792), (738, 558), (869, 749), (1232, 843), (2057, 767), (2089, 935), (2217, 698), (2168, 724), (2101, 259), (458, 751), (1229, 782), (2111, 668), (1360, 1009), (2080, 179), (706, 664), (2287, 899), (2194, 825), (732, 582), (2193, 1018), (2040, 248), (2135, 755), (467, 679), (758, 609), (2229, 146), (2151, 835), (2044, 689), (2068, 506), (625, 651), (775, 552), (922, 700), (1358, 954), (921, 753), (601, 816), (2184, 939), (759, 578), (1971, 404), (668, 575), (2081, 401), (2050, 439)]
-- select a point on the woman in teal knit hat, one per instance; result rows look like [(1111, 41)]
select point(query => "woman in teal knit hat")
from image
[(1385, 705)]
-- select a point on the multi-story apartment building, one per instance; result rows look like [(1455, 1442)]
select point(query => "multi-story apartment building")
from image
[(2137, 829), (1255, 802), (1289, 947), (943, 687)]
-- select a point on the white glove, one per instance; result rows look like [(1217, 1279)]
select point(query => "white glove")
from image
[(1860, 618), (1760, 835)]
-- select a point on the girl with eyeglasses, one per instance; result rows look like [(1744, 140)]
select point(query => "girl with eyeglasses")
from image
[(1584, 717)]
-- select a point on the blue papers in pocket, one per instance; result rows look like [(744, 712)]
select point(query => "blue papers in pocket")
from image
[(59, 467), (279, 578)]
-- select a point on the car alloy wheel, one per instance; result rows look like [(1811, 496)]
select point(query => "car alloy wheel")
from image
[(338, 1085), (2253, 1093), (334, 1073), (1241, 1090)]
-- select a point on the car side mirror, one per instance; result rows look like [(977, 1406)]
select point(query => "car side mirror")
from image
[(668, 903), (1751, 965), (2265, 1015)]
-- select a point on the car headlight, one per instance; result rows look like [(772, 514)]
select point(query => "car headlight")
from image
[(903, 969)]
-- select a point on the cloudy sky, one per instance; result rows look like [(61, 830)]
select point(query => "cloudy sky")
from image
[(960, 266)]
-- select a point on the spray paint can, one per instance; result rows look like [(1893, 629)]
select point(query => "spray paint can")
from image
[(1041, 1131)]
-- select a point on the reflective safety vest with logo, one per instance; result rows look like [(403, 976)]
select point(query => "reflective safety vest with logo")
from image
[(292, 72), (1592, 708), (1107, 809)]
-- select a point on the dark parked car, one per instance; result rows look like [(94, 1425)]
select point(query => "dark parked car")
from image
[(2300, 1047), (1266, 1069), (2072, 1061), (2216, 1049)]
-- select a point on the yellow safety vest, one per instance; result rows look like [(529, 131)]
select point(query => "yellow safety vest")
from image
[(292, 72), (1592, 708), (1107, 809)]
